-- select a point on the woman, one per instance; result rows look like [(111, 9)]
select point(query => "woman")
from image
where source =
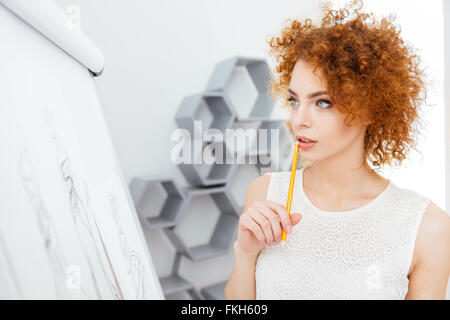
[(354, 89)]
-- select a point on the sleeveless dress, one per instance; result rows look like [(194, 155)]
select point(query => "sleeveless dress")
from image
[(364, 253)]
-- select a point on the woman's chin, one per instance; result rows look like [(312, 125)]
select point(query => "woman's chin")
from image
[(306, 162)]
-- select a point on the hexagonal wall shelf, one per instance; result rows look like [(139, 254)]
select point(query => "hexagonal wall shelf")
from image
[(245, 139), (199, 272), (272, 151), (282, 159), (157, 199), (265, 142), (212, 109), (213, 206), (217, 172), (246, 81), (175, 284), (215, 291), (258, 158), (239, 182), (162, 250)]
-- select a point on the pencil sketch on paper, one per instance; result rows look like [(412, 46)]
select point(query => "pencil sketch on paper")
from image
[(47, 230), (81, 216), (133, 262)]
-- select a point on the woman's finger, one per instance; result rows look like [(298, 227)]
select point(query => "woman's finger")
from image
[(263, 222), (282, 212), (274, 219), (248, 223)]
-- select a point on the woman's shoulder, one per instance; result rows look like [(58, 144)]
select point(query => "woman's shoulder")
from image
[(259, 187), (431, 261), (408, 200), (436, 217), (434, 227)]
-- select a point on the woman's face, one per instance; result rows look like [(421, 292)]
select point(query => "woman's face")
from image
[(318, 119)]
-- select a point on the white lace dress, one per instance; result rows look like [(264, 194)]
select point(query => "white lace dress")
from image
[(363, 253)]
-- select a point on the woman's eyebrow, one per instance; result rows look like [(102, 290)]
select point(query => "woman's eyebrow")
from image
[(309, 96)]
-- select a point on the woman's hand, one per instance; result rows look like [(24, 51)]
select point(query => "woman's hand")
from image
[(262, 224)]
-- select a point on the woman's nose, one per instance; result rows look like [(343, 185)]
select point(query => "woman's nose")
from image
[(301, 117)]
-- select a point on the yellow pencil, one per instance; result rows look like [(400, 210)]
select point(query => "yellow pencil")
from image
[(291, 186)]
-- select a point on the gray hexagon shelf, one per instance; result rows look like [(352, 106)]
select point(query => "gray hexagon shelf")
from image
[(259, 151), (239, 181), (212, 109), (246, 81), (282, 161), (269, 126), (215, 291), (174, 283), (246, 143), (157, 199), (215, 242), (201, 173), (258, 156), (161, 249)]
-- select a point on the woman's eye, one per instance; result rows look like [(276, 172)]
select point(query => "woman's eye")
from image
[(294, 103), (326, 101), (292, 100)]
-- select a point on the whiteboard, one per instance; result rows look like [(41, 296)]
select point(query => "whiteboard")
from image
[(68, 227)]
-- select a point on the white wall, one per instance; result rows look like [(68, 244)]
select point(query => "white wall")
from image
[(157, 52)]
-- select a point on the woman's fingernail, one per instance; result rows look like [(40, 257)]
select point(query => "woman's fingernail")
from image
[(289, 229)]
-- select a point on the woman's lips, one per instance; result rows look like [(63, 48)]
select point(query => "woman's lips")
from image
[(306, 145), (304, 138)]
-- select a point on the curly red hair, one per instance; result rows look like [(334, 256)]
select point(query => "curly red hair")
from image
[(371, 74)]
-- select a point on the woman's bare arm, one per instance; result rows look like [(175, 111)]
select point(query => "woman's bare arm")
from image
[(429, 276), (241, 285)]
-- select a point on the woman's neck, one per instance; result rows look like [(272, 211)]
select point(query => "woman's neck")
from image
[(342, 181)]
